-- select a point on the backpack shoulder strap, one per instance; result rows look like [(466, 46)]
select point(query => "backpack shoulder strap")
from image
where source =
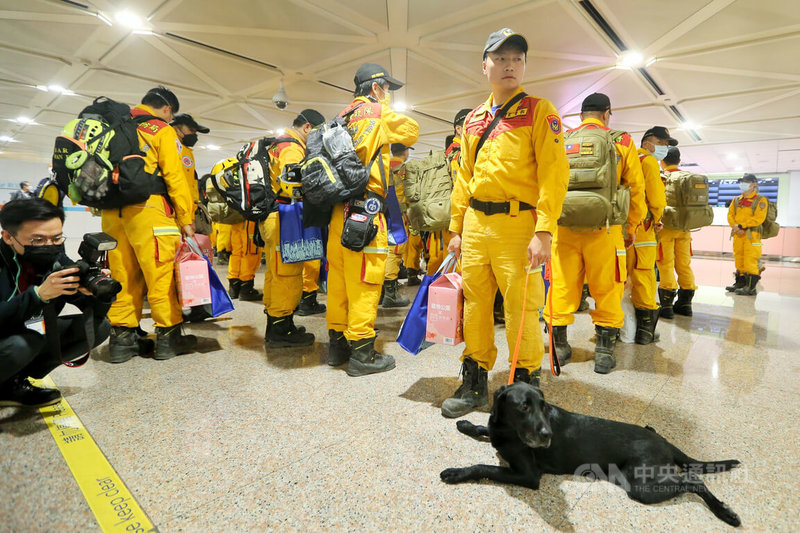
[(501, 113)]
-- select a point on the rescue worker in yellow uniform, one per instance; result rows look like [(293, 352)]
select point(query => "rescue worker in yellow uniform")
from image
[(641, 265), (745, 215), (148, 235), (505, 203), (413, 249), (674, 255), (223, 243), (283, 282), (439, 240), (243, 262), (390, 294), (355, 278), (596, 254), (308, 303), (187, 128)]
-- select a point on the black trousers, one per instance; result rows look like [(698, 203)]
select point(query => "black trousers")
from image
[(27, 353)]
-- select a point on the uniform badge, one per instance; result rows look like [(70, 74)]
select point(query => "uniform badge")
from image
[(573, 148), (372, 206), (187, 161), (178, 145), (555, 123), (762, 205)]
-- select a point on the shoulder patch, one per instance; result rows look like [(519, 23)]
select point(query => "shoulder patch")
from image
[(763, 204), (178, 145), (555, 124), (187, 161), (623, 139)]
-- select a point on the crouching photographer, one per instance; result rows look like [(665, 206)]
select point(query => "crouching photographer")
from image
[(36, 281)]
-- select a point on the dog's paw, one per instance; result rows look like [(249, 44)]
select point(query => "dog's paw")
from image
[(453, 475), (466, 427)]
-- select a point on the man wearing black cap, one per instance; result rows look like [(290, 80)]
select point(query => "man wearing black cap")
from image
[(355, 278), (187, 129), (642, 257), (506, 200), (674, 255), (595, 251), (283, 282), (390, 295), (148, 236), (745, 215)]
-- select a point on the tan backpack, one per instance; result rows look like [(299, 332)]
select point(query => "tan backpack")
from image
[(687, 201), (427, 186), (769, 228), (594, 198)]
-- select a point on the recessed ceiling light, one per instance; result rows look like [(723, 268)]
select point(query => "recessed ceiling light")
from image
[(732, 155), (6, 139), (129, 19), (399, 106), (25, 120), (691, 126), (630, 59)]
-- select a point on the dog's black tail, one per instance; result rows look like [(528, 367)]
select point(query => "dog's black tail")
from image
[(701, 467)]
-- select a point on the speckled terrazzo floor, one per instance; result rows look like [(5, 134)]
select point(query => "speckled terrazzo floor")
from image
[(238, 438)]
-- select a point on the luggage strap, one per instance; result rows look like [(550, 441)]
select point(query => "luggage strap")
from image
[(501, 114), (496, 208)]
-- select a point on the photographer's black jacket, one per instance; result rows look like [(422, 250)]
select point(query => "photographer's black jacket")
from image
[(16, 308)]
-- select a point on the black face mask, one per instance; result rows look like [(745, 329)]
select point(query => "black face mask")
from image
[(42, 257), (189, 140)]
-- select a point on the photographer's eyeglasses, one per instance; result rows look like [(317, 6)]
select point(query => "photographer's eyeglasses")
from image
[(42, 241)]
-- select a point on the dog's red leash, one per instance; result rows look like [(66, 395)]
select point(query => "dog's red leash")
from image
[(555, 368)]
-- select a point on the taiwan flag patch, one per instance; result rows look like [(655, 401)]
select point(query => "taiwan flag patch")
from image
[(555, 123), (573, 148)]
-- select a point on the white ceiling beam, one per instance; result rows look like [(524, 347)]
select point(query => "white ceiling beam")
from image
[(576, 100), (737, 71), (461, 20), (338, 13), (754, 105), (30, 16), (292, 35), (170, 54), (696, 19), (741, 41)]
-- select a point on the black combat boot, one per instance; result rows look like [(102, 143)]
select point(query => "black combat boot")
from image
[(125, 342), (665, 298), (523, 375), (247, 292), (171, 342), (309, 305), (223, 257), (392, 296), (413, 277), (749, 287), (683, 305), (282, 333), (738, 282), (365, 360), (563, 349), (234, 286), (606, 341), (402, 272), (339, 349), (473, 392), (20, 392), (301, 329), (584, 305), (646, 320)]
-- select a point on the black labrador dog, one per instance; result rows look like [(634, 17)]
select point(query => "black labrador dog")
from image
[(537, 438)]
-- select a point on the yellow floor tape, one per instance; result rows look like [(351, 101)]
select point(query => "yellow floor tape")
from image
[(113, 505)]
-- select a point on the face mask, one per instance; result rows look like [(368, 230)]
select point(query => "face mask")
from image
[(42, 257), (189, 140), (660, 152), (744, 186)]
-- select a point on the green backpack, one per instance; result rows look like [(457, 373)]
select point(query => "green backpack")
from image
[(427, 185), (218, 209), (769, 228), (594, 198), (687, 201)]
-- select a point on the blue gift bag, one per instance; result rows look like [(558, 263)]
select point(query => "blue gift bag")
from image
[(221, 302), (298, 244), (412, 333), (394, 218)]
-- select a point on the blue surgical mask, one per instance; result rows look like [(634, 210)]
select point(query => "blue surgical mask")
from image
[(745, 186), (660, 152)]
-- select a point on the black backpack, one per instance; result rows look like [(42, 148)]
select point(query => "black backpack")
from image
[(97, 161)]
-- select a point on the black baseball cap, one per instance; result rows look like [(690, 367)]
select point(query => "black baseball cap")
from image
[(399, 148), (186, 118), (371, 71), (312, 116), (660, 132), (500, 37), (461, 116), (748, 177), (596, 102)]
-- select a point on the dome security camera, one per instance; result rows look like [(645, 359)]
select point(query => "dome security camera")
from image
[(281, 99)]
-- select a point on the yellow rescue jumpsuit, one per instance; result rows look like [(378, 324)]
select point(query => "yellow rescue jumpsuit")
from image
[(438, 240), (398, 251), (311, 271), (597, 255), (283, 282), (187, 163), (523, 160), (245, 255), (223, 236), (675, 255), (355, 278), (748, 210), (642, 259), (148, 233)]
